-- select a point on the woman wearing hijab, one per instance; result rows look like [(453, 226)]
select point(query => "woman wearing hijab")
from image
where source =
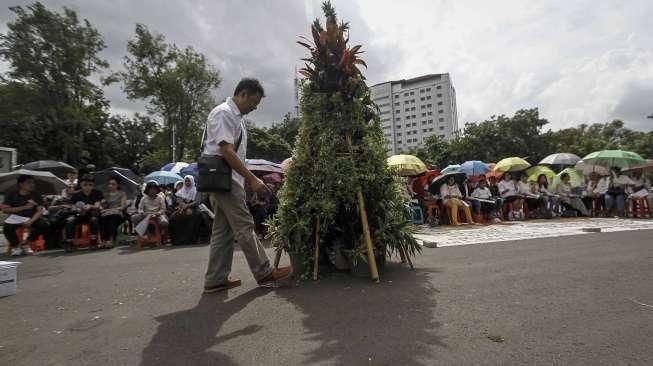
[(186, 219)]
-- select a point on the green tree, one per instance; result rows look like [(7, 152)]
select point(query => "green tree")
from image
[(264, 144), (176, 83), (51, 58), (129, 140), (287, 129)]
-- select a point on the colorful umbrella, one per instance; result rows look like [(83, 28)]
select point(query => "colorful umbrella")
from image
[(263, 166), (534, 172), (614, 158), (575, 178), (560, 159), (453, 168), (493, 173), (46, 182), (512, 164), (473, 168), (191, 169), (648, 166), (58, 168), (588, 169), (174, 167), (163, 177), (407, 164)]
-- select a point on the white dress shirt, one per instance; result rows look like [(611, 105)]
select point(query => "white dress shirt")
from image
[(508, 186), (225, 123), (482, 193)]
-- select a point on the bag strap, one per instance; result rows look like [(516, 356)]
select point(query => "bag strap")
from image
[(206, 128)]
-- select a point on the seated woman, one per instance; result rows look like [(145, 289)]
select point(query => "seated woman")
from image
[(186, 218), (113, 205), (453, 199), (152, 204), (550, 200), (594, 194), (531, 196), (483, 201), (509, 194), (568, 198), (616, 193), (640, 188)]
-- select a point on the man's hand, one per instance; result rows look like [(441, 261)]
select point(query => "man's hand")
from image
[(258, 186)]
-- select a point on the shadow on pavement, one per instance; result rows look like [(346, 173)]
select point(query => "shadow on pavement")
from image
[(185, 337), (356, 322)]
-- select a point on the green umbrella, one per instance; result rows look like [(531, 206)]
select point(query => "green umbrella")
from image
[(614, 158), (575, 178)]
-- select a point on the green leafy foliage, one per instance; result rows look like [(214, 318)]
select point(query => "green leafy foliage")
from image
[(340, 150), (265, 144), (176, 83), (522, 135)]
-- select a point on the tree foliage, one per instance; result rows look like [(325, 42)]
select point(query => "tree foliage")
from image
[(54, 104), (265, 144), (522, 135), (176, 83)]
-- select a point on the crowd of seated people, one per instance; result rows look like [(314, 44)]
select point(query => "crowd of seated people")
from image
[(180, 212), (514, 197)]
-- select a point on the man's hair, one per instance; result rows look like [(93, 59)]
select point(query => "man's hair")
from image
[(87, 178), (24, 178), (249, 86)]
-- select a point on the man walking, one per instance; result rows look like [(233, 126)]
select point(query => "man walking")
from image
[(226, 136)]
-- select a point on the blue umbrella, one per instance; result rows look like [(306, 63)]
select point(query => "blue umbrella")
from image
[(473, 168), (174, 167), (454, 168), (190, 170), (163, 177)]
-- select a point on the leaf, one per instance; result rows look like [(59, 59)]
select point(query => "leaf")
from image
[(305, 45)]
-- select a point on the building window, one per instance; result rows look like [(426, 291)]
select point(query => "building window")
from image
[(412, 93), (442, 136), (423, 114), (407, 102), (441, 111), (412, 109), (439, 87), (413, 116), (398, 134), (430, 121), (397, 104), (429, 105), (428, 97), (414, 124), (398, 126), (441, 119), (397, 119), (439, 103), (431, 129), (424, 129), (407, 124), (398, 111), (422, 99), (412, 101), (421, 90), (441, 127), (439, 95), (428, 89), (430, 113), (406, 110), (399, 141), (406, 94)]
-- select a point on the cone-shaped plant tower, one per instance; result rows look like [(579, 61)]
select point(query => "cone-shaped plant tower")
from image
[(339, 178)]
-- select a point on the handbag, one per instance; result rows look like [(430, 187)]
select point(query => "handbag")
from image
[(214, 172)]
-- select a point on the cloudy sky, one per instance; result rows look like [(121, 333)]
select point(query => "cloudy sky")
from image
[(578, 61)]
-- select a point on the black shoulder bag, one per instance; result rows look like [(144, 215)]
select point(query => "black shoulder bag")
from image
[(214, 171)]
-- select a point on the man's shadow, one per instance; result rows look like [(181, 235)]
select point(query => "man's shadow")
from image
[(185, 337)]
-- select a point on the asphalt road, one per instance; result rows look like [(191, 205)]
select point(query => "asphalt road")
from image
[(581, 300)]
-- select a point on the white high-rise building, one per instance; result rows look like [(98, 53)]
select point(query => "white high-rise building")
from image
[(414, 109)]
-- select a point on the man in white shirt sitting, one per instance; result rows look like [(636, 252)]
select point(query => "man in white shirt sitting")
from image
[(482, 200)]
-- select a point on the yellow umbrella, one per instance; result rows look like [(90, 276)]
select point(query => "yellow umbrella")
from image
[(407, 164), (534, 172), (512, 164)]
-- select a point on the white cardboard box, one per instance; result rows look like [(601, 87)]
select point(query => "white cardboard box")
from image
[(8, 271)]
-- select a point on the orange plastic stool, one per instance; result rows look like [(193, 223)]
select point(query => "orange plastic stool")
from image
[(638, 207)]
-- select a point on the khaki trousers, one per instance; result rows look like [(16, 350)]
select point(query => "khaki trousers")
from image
[(453, 204), (233, 224)]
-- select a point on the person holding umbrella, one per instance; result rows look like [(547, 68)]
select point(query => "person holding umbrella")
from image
[(508, 192), (26, 209), (616, 193), (453, 199)]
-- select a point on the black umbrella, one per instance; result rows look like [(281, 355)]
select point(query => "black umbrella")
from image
[(46, 182), (127, 185), (58, 168), (434, 187), (128, 173)]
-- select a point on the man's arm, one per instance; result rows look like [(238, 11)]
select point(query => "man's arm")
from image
[(229, 154)]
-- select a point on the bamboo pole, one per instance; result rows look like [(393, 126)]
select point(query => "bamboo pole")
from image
[(374, 273), (277, 257), (316, 264), (402, 249)]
